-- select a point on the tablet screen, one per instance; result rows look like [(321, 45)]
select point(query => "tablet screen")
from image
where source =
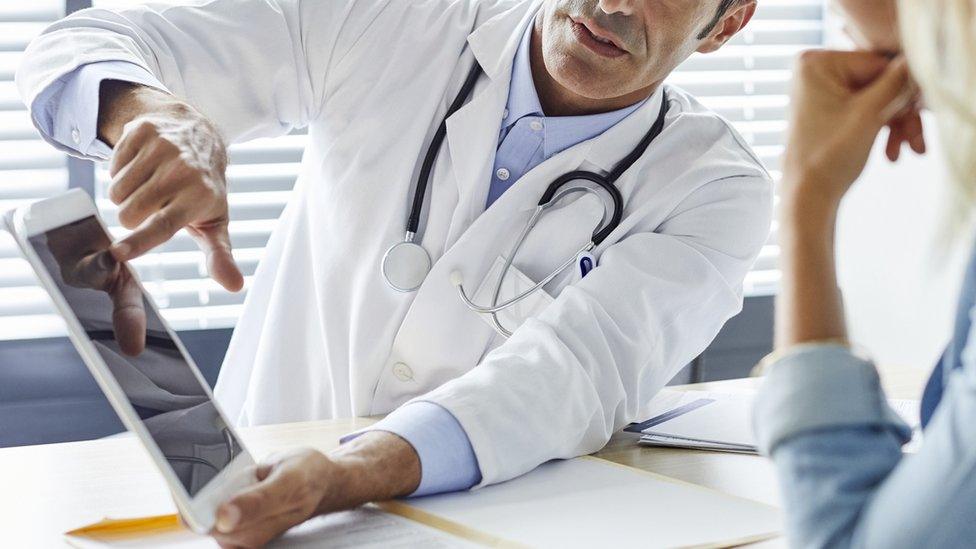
[(145, 361)]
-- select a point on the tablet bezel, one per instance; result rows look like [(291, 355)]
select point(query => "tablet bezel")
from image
[(198, 511)]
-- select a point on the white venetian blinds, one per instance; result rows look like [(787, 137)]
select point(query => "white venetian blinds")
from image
[(748, 83), (29, 169)]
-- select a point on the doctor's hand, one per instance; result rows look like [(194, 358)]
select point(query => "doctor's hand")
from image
[(294, 487), (840, 103), (168, 173)]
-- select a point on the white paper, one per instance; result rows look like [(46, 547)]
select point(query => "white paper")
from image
[(587, 502), (673, 442), (366, 527), (728, 418)]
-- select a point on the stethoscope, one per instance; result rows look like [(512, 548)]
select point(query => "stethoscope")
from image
[(406, 264)]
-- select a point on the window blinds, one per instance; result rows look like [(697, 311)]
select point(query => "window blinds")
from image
[(29, 170), (747, 82)]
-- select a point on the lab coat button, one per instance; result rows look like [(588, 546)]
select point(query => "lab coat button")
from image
[(503, 174), (75, 136), (402, 372)]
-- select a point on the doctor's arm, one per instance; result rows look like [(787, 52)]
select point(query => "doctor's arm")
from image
[(558, 388), (584, 367), (167, 87)]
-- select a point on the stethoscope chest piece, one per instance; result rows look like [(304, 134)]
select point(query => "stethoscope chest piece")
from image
[(405, 266)]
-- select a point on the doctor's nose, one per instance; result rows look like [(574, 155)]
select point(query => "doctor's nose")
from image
[(623, 7)]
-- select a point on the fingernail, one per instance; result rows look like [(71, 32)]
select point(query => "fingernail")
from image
[(227, 518)]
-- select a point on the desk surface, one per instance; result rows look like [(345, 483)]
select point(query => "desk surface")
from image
[(49, 489)]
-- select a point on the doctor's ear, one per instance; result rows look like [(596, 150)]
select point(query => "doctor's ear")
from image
[(732, 17)]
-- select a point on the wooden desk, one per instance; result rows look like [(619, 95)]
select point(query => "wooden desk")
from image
[(49, 489)]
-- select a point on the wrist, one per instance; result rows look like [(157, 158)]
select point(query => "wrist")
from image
[(121, 102), (807, 209), (376, 466)]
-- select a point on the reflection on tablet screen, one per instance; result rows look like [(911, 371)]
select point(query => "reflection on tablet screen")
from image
[(143, 358)]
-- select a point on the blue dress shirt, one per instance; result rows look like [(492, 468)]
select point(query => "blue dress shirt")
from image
[(527, 137), (822, 417), (67, 112)]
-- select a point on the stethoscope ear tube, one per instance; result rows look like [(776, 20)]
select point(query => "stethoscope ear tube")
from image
[(601, 233), (423, 179)]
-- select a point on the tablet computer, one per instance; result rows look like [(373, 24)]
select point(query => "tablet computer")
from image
[(137, 360)]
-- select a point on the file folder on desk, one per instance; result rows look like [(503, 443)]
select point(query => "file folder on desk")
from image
[(705, 420)]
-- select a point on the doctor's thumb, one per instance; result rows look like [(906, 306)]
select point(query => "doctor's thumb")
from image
[(214, 240)]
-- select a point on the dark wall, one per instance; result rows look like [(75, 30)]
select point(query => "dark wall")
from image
[(47, 394)]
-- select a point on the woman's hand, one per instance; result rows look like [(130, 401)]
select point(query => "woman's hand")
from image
[(840, 103), (841, 100)]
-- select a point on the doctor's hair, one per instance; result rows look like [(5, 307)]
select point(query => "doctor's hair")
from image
[(939, 38), (723, 8)]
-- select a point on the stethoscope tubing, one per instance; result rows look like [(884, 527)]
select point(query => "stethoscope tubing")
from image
[(551, 195)]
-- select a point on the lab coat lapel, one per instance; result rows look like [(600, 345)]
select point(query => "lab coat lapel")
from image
[(472, 136), (472, 132)]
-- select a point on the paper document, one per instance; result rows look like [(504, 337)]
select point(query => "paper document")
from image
[(366, 527), (589, 502), (709, 420)]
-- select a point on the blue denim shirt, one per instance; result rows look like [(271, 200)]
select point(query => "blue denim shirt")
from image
[(67, 112), (822, 417)]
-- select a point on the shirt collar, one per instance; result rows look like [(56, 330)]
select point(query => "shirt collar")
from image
[(561, 132)]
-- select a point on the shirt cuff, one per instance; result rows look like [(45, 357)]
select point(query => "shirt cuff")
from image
[(821, 388), (447, 459), (67, 110)]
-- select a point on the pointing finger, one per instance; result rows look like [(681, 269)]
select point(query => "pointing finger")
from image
[(155, 230)]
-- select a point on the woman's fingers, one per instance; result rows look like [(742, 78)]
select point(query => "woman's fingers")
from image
[(905, 129), (890, 94), (840, 103)]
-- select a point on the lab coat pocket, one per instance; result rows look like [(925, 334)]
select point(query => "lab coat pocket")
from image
[(514, 284)]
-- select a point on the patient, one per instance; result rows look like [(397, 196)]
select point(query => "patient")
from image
[(821, 414)]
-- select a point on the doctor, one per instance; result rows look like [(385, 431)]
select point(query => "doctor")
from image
[(560, 86)]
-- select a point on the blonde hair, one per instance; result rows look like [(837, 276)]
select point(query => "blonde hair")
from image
[(939, 37)]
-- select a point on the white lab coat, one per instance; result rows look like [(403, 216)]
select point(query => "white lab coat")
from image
[(323, 336)]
